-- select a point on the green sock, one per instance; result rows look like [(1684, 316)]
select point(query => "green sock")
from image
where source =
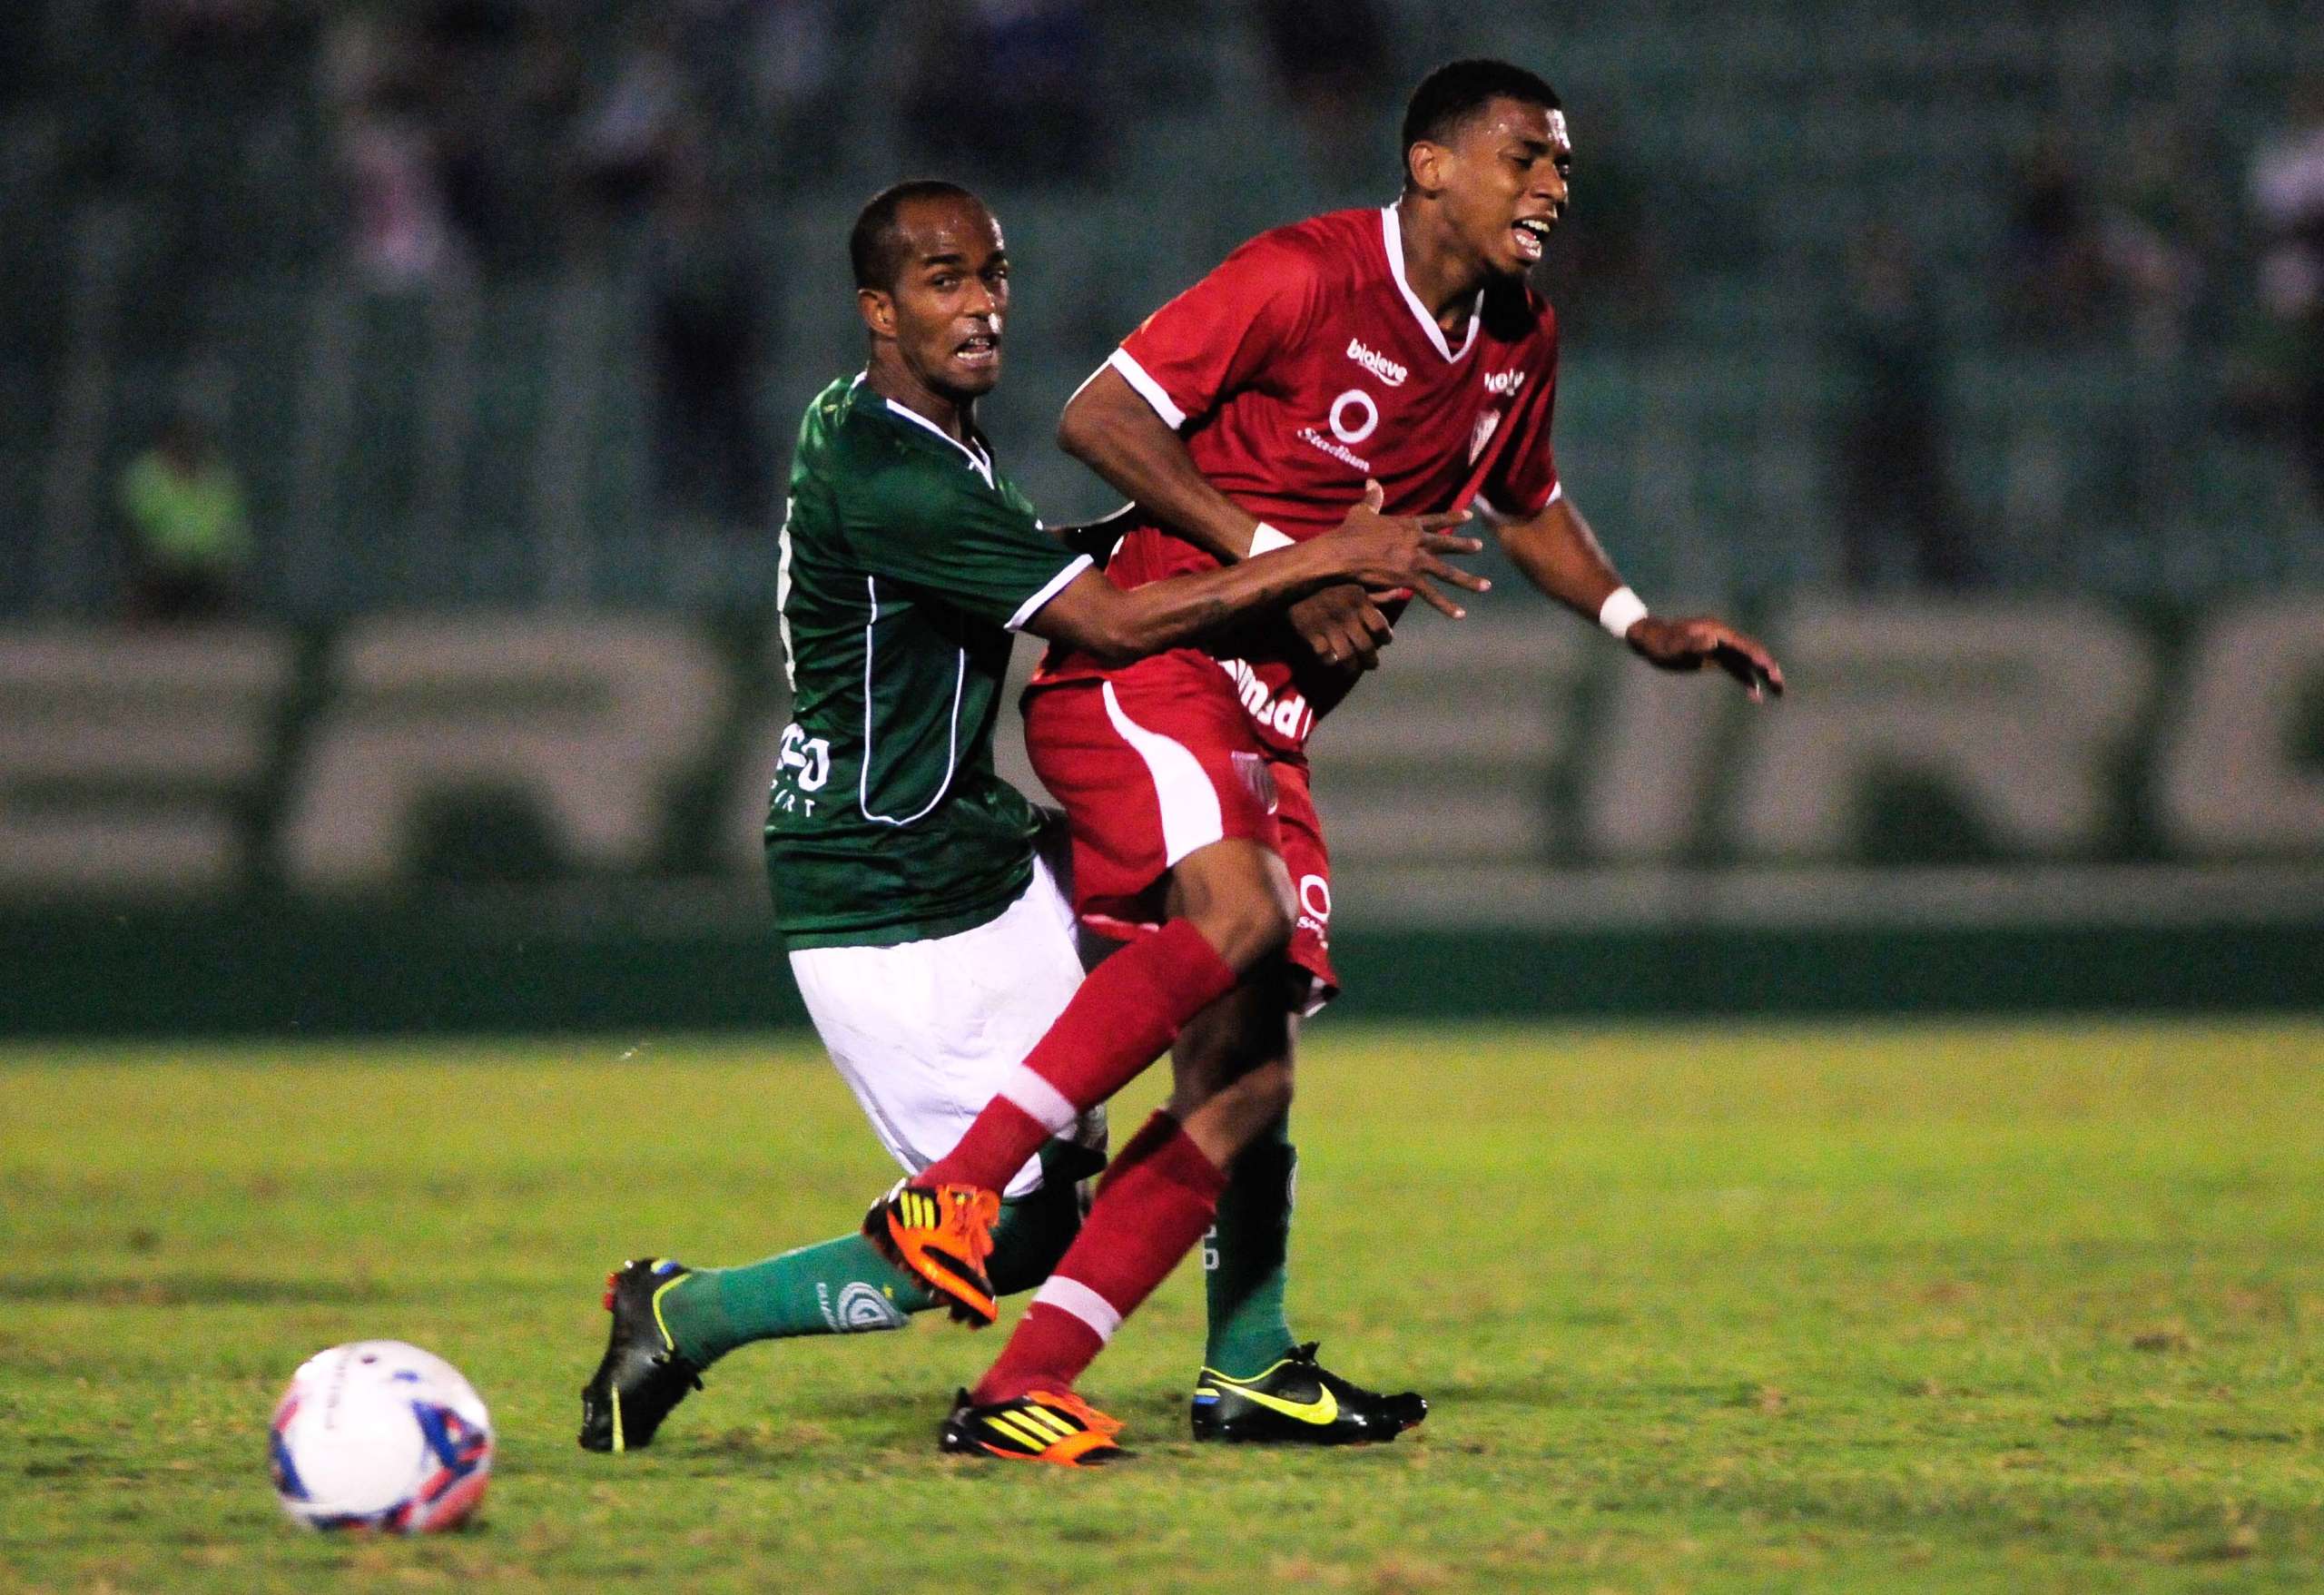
[(1244, 1259), (843, 1286)]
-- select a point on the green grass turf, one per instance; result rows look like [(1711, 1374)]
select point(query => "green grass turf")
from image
[(1960, 1309)]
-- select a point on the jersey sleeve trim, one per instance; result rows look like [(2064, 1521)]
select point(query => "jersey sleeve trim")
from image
[(1122, 360), (1049, 589), (1497, 512)]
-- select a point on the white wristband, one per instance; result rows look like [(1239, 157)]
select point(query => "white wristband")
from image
[(1621, 610), (1266, 539)]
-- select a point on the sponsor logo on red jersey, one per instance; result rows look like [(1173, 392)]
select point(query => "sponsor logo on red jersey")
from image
[(1378, 364), (1286, 714), (1303, 364)]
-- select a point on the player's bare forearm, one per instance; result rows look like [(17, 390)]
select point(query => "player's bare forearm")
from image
[(1557, 552), (1187, 609), (1378, 551), (1560, 554), (1108, 428), (1554, 548), (1116, 627)]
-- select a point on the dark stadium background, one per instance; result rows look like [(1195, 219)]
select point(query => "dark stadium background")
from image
[(1973, 353)]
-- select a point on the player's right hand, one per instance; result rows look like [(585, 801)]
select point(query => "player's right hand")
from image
[(1342, 625), (1388, 552)]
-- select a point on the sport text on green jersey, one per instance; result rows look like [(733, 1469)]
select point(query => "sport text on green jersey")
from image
[(908, 562)]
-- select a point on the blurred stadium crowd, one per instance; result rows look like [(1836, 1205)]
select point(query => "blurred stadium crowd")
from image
[(315, 308)]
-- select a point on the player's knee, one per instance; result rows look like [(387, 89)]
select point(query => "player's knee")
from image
[(1240, 1112), (1244, 908), (1263, 926), (1266, 1094)]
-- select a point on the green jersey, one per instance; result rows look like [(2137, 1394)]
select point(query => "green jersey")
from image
[(908, 563)]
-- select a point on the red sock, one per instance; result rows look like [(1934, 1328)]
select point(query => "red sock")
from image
[(1152, 1207), (1126, 1013)]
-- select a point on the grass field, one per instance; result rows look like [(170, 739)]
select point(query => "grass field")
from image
[(1959, 1309)]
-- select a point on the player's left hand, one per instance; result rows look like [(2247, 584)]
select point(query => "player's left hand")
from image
[(1703, 639), (1342, 624)]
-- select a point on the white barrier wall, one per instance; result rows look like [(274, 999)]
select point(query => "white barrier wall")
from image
[(127, 759), (589, 722), (2233, 778), (1487, 755)]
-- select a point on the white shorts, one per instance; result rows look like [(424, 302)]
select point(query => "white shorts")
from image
[(924, 1031)]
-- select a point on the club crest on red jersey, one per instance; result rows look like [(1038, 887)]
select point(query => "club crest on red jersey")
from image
[(1482, 434)]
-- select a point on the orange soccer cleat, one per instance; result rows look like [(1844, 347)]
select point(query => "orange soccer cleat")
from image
[(1039, 1426), (943, 1234)]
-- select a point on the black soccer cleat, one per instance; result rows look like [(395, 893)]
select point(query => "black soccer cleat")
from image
[(642, 1376), (1055, 1427), (1299, 1402)]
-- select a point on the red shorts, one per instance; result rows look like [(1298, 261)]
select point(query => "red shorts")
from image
[(1158, 759)]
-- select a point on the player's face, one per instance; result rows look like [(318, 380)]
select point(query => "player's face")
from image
[(950, 295), (1504, 183)]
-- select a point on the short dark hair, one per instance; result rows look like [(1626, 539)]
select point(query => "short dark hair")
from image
[(1457, 91), (874, 246)]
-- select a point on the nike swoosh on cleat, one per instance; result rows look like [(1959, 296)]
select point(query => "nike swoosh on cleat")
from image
[(669, 1341), (1323, 1410)]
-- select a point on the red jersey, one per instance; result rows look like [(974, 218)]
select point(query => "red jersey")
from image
[(1304, 364)]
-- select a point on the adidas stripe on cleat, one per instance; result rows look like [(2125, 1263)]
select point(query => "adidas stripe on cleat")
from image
[(642, 1376), (1042, 1426), (1299, 1402), (943, 1236)]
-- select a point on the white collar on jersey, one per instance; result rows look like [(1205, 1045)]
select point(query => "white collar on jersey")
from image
[(978, 460), (1392, 233)]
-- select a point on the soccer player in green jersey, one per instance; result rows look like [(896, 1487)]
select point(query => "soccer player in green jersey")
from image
[(933, 948)]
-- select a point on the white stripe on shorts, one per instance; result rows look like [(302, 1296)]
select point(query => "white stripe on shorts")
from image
[(1070, 1295), (1190, 817), (1044, 1103)]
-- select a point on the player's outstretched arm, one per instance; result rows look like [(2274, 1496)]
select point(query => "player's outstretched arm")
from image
[(1108, 428), (1111, 428), (1379, 551), (1560, 554)]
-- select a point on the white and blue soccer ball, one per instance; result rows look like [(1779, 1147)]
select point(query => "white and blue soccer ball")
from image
[(379, 1435)]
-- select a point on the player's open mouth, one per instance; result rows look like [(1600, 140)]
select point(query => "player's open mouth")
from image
[(982, 349), (1531, 234)]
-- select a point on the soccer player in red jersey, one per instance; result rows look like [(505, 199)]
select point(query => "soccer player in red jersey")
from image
[(1401, 348)]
